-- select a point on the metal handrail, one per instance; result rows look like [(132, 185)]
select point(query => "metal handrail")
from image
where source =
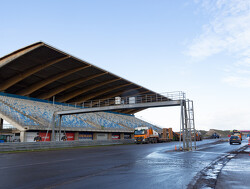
[(147, 98), (135, 99)]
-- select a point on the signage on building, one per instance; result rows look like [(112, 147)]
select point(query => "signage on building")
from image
[(115, 137), (85, 136)]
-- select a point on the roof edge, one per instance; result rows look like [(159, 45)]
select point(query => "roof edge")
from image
[(10, 57)]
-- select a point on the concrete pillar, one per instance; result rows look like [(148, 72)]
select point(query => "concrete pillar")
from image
[(122, 136), (76, 135), (22, 136), (109, 136), (94, 136), (1, 124)]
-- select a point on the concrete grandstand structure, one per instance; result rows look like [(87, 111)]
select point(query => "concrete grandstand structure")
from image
[(38, 80)]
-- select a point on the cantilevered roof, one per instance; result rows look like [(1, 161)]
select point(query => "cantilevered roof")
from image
[(42, 71)]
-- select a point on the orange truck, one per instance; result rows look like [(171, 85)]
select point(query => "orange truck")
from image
[(145, 135)]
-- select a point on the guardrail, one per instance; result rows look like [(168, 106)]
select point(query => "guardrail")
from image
[(24, 146)]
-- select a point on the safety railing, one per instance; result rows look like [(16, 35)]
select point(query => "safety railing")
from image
[(147, 98)]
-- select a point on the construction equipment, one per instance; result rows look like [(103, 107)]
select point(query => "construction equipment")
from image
[(198, 136), (168, 135), (176, 136), (148, 135), (215, 135), (145, 135)]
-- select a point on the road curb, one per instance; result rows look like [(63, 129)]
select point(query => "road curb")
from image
[(207, 177)]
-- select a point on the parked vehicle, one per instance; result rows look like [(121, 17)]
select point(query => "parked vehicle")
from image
[(234, 139), (215, 135), (198, 136), (148, 135), (145, 135), (237, 133)]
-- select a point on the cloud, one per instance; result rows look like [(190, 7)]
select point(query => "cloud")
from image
[(223, 119), (237, 81), (228, 31)]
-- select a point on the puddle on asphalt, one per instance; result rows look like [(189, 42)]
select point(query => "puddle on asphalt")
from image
[(172, 160), (213, 173), (231, 156), (247, 150)]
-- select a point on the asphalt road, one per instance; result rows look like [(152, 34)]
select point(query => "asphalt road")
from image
[(236, 173), (126, 166)]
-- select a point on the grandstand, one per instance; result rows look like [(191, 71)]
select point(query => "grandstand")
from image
[(38, 80)]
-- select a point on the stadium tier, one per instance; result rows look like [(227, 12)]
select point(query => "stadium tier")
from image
[(34, 76), (35, 114)]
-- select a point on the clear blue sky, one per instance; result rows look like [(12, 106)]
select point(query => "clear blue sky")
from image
[(200, 47)]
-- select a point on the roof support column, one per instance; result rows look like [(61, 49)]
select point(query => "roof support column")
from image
[(22, 136), (53, 137), (1, 124), (60, 123)]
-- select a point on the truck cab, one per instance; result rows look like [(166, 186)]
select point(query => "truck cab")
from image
[(140, 134), (145, 135)]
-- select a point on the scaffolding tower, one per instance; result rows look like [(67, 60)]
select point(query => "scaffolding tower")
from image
[(188, 132)]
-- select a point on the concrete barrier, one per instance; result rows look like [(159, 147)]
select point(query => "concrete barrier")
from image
[(19, 146)]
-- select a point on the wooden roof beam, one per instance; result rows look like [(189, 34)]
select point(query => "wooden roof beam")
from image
[(114, 95), (81, 91), (17, 78), (126, 111), (136, 110), (49, 80), (93, 95), (62, 88), (124, 92), (17, 54), (119, 93)]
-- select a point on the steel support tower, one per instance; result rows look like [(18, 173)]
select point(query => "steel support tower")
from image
[(188, 132)]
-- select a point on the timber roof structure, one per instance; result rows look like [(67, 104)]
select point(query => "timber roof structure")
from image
[(42, 71)]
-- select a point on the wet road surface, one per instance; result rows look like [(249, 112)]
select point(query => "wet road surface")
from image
[(127, 166), (236, 173)]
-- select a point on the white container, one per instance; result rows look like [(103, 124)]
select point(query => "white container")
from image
[(117, 100), (131, 100)]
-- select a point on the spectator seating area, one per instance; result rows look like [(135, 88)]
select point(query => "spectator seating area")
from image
[(36, 112)]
